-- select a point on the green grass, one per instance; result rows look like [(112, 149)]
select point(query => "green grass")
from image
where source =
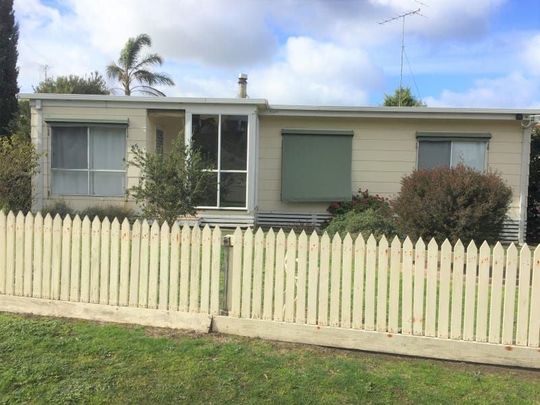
[(59, 361)]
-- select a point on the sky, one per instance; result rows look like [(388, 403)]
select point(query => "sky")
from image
[(458, 53)]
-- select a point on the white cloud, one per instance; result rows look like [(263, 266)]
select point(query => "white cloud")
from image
[(513, 90), (531, 55)]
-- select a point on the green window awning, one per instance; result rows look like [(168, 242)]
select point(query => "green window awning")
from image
[(316, 165)]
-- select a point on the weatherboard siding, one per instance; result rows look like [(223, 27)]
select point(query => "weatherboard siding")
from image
[(383, 151)]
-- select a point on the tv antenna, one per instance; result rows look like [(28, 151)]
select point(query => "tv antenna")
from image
[(403, 17)]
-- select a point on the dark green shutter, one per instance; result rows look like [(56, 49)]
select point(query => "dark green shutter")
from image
[(316, 165)]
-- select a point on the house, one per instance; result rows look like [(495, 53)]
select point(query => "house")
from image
[(275, 164)]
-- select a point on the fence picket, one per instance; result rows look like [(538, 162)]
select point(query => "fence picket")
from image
[(483, 293), (75, 260), (236, 279), (394, 295), (206, 257), (56, 257), (280, 276), (418, 297), (10, 253), (19, 254), (125, 245), (509, 295), (105, 261), (313, 278), (66, 259), (301, 278), (184, 268), (86, 259), (335, 280), (144, 264), (37, 266), (216, 271), (195, 274), (269, 260), (407, 288), (496, 295), (346, 290), (28, 253), (164, 266), (431, 288), (444, 290), (174, 276), (114, 269), (534, 319), (153, 268), (382, 285), (245, 309), (135, 265), (258, 274), (457, 291), (3, 235), (470, 291), (290, 277), (523, 295), (324, 274), (358, 282), (371, 268)]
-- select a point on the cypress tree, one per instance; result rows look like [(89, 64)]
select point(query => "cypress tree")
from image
[(9, 35)]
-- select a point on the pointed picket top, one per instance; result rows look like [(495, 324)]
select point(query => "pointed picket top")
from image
[(396, 242), (512, 249), (164, 228), (325, 238), (291, 235), (11, 216), (433, 244), (77, 218), (407, 244), (314, 236), (259, 234), (95, 222), (248, 231), (383, 243), (446, 245), (29, 217), (217, 232), (206, 227), (359, 240), (57, 220), (420, 244), (459, 246), (206, 233), (115, 221), (86, 221), (186, 229), (270, 234), (280, 234), (125, 224), (155, 228), (347, 240), (537, 254), (371, 240), (485, 246), (38, 215), (237, 236), (336, 240), (471, 245), (20, 217), (3, 214), (524, 249), (67, 221), (175, 228)]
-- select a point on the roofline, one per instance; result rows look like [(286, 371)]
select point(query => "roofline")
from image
[(266, 109), (142, 99)]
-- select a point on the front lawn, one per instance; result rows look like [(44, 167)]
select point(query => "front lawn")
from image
[(57, 361)]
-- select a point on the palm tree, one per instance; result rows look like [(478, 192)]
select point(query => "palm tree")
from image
[(132, 69)]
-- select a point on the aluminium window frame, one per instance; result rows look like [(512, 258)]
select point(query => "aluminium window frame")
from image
[(82, 124), (249, 171), (454, 137)]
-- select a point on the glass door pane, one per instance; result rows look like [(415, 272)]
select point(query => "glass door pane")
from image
[(205, 137)]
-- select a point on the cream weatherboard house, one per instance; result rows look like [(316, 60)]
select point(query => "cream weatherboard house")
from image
[(275, 164)]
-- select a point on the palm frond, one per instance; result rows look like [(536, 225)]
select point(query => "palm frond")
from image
[(151, 59), (148, 90), (132, 49), (114, 71), (151, 78)]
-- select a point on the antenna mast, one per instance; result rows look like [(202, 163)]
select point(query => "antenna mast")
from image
[(402, 17)]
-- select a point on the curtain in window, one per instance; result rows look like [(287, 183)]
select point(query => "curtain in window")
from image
[(470, 154), (69, 148), (433, 154)]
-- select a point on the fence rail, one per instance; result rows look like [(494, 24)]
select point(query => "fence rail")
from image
[(465, 303)]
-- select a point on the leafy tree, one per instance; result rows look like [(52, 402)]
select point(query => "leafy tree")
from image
[(405, 95), (133, 70), (9, 35), (171, 184), (20, 124), (18, 163), (533, 210), (94, 83)]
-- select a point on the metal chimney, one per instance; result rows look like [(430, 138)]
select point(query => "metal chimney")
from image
[(242, 85)]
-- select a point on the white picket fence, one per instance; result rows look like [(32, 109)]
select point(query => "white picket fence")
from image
[(445, 301)]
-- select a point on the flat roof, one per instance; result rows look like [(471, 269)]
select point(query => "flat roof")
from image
[(302, 110)]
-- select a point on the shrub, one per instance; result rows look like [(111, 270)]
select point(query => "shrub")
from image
[(454, 203), (19, 161), (533, 207), (58, 208), (172, 184), (110, 212), (359, 202), (366, 222)]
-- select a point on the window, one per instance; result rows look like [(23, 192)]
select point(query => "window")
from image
[(316, 165), (88, 160), (159, 141), (222, 141), (444, 151)]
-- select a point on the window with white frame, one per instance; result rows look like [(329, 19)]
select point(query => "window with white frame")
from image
[(88, 160), (447, 152), (223, 142)]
